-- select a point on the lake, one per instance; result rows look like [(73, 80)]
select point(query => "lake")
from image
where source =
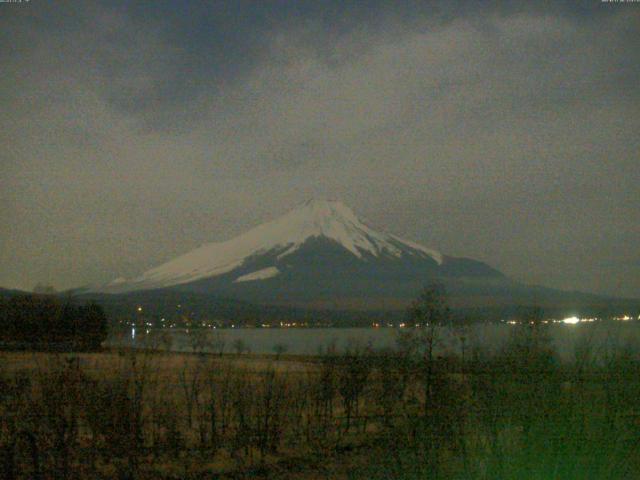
[(602, 336)]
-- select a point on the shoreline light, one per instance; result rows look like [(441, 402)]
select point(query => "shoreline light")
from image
[(571, 320)]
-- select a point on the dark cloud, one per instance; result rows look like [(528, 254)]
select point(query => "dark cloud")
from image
[(138, 131)]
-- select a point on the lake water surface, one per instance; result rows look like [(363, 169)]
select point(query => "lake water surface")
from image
[(602, 336)]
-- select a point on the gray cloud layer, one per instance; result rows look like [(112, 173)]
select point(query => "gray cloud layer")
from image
[(133, 134)]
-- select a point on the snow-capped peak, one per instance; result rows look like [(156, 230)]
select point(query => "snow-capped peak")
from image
[(313, 219)]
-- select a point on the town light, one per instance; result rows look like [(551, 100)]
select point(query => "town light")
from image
[(571, 320)]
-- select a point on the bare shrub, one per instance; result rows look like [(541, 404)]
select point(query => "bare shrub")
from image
[(355, 366), (240, 346), (269, 412), (279, 349)]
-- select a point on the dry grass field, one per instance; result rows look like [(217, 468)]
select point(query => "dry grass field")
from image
[(164, 415), (360, 414)]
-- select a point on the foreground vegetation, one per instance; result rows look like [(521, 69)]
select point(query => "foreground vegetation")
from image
[(403, 414), (359, 414), (47, 322)]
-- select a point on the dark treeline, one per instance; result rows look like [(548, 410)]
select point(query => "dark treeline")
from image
[(46, 322), (186, 308)]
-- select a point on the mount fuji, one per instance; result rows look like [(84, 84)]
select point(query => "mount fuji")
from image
[(320, 257), (317, 255)]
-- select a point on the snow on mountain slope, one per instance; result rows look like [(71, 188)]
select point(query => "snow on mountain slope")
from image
[(263, 274), (284, 235)]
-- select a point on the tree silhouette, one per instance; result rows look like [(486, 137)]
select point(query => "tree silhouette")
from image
[(428, 314)]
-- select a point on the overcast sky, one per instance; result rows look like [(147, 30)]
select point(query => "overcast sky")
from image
[(132, 132)]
